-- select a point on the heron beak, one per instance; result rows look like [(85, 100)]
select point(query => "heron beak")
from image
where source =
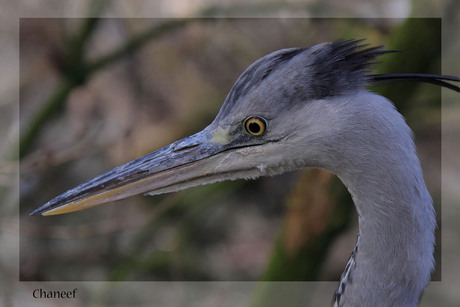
[(202, 158)]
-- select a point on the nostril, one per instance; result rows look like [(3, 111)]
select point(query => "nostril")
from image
[(185, 148)]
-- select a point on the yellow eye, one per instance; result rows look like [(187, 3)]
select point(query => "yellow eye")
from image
[(255, 125)]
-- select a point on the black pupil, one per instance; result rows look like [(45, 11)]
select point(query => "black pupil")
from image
[(254, 127)]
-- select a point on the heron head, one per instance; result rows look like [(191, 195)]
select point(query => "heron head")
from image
[(280, 104)]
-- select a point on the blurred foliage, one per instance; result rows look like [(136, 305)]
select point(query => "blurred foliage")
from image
[(319, 208), (76, 70), (425, 58)]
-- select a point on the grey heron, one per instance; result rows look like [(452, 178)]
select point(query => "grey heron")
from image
[(308, 107)]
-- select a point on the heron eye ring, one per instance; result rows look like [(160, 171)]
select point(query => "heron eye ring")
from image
[(255, 125)]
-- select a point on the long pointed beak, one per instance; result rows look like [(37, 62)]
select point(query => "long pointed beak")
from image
[(198, 159)]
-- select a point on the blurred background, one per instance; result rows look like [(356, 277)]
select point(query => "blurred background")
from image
[(97, 92)]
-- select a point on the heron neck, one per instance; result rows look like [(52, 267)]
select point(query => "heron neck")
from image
[(393, 258)]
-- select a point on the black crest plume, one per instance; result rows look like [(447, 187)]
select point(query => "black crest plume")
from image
[(354, 58), (340, 67)]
